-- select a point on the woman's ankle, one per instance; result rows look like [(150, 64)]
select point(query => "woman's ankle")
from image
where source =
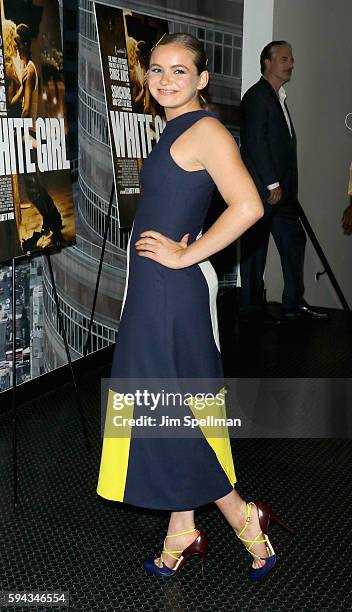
[(178, 542), (240, 516), (181, 521), (176, 527)]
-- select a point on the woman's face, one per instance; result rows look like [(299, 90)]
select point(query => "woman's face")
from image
[(172, 77)]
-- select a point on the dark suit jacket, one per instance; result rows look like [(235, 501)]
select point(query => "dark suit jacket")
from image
[(267, 148)]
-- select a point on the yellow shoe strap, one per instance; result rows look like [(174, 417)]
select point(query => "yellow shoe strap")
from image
[(255, 541), (172, 553), (251, 542), (249, 512), (174, 535)]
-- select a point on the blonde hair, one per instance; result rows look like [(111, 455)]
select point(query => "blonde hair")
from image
[(9, 34)]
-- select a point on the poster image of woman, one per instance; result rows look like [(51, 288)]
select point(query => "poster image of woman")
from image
[(42, 196)]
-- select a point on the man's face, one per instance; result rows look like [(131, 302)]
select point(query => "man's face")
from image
[(281, 65)]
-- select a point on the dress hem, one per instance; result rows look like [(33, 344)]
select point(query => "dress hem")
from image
[(173, 509)]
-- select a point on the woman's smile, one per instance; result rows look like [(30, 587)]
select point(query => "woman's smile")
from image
[(166, 92)]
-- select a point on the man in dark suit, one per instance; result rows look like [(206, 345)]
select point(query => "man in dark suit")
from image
[(269, 151)]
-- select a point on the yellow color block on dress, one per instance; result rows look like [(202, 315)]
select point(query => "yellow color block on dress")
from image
[(217, 436), (116, 450)]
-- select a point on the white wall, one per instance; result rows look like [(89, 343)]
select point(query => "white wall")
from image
[(257, 32), (319, 97)]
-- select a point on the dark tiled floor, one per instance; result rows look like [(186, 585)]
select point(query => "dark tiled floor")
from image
[(305, 349)]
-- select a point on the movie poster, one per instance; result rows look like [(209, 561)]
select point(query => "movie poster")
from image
[(135, 122), (36, 206)]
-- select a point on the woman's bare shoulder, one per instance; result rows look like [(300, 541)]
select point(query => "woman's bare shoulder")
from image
[(209, 126), (210, 131)]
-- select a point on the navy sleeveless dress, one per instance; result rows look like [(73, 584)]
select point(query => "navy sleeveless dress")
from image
[(168, 330)]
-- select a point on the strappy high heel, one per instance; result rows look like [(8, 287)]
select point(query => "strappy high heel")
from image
[(198, 548), (265, 515)]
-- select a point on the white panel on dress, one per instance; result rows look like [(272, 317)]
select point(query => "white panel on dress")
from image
[(212, 282), (127, 273)]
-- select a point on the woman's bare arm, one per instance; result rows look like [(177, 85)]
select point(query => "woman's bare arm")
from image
[(16, 93), (216, 150), (13, 99), (28, 92)]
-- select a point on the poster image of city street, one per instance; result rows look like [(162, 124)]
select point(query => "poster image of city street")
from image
[(36, 209), (29, 323)]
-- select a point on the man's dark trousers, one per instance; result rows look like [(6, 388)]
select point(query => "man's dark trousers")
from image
[(269, 151), (283, 222)]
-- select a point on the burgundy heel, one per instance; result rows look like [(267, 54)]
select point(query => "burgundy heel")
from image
[(198, 548), (279, 520), (203, 556), (266, 514)]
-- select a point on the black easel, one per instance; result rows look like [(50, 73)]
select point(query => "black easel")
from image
[(319, 251), (67, 349), (14, 373), (106, 231), (14, 385), (105, 237)]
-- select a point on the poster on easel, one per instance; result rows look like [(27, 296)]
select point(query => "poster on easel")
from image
[(135, 120), (36, 204)]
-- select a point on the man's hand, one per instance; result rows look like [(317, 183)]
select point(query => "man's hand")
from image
[(275, 196), (347, 220)]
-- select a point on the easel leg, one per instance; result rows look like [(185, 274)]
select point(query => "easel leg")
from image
[(319, 251), (14, 384), (106, 231), (67, 349)]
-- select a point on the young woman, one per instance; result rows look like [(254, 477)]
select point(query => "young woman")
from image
[(9, 238), (15, 77), (36, 191), (168, 326)]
